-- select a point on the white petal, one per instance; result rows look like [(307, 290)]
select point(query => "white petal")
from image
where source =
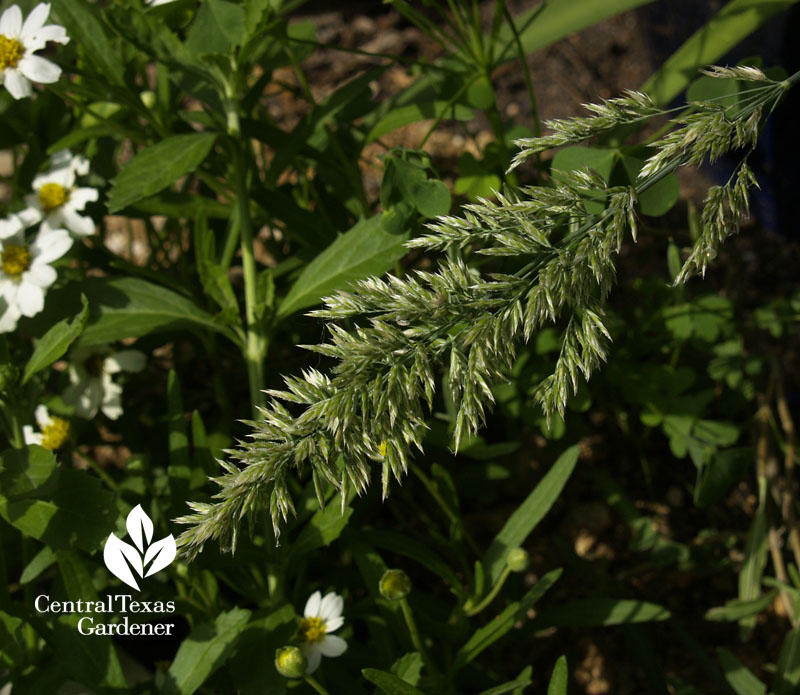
[(51, 244), (11, 22), (30, 298), (332, 646), (88, 400), (77, 224), (112, 405), (9, 318), (39, 69), (35, 20), (10, 226), (312, 605), (314, 656), (331, 606), (79, 165), (51, 32), (31, 215), (17, 85), (31, 437), (41, 416), (80, 196), (333, 624), (125, 361), (40, 274)]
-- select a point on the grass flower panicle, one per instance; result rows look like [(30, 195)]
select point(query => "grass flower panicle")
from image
[(370, 409)]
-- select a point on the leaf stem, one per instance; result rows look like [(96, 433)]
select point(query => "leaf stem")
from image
[(314, 683), (491, 595), (255, 347)]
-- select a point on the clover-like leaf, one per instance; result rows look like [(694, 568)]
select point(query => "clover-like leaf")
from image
[(140, 527), (162, 553), (115, 554)]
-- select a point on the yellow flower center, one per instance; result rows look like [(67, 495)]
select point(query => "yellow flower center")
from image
[(55, 433), (52, 196), (11, 52), (312, 629), (15, 260)]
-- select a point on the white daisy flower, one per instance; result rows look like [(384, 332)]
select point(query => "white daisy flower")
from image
[(10, 226), (56, 200), (54, 431), (322, 616), (93, 388), (25, 272), (18, 43)]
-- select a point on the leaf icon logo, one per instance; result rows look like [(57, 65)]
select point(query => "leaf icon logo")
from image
[(121, 557)]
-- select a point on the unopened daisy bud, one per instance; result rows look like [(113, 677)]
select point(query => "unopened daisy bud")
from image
[(394, 585), (518, 560), (290, 662)]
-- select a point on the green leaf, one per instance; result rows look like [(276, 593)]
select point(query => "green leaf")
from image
[(85, 29), (487, 635), (473, 180), (130, 307), (411, 113), (217, 28), (389, 683), (559, 679), (529, 514), (250, 672), (324, 527), (578, 157), (735, 21), (548, 22), (156, 167), (591, 612), (56, 341), (738, 675), (95, 659), (408, 667), (363, 250), (658, 199), (12, 640), (736, 609), (204, 651), (40, 562), (787, 674), (509, 687), (723, 470), (213, 277), (755, 559), (62, 508)]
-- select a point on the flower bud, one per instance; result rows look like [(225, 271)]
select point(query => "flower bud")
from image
[(148, 98), (395, 585), (291, 662), (518, 560)]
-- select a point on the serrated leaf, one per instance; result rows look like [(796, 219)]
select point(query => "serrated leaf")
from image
[(364, 250), (204, 651), (55, 342), (154, 168)]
